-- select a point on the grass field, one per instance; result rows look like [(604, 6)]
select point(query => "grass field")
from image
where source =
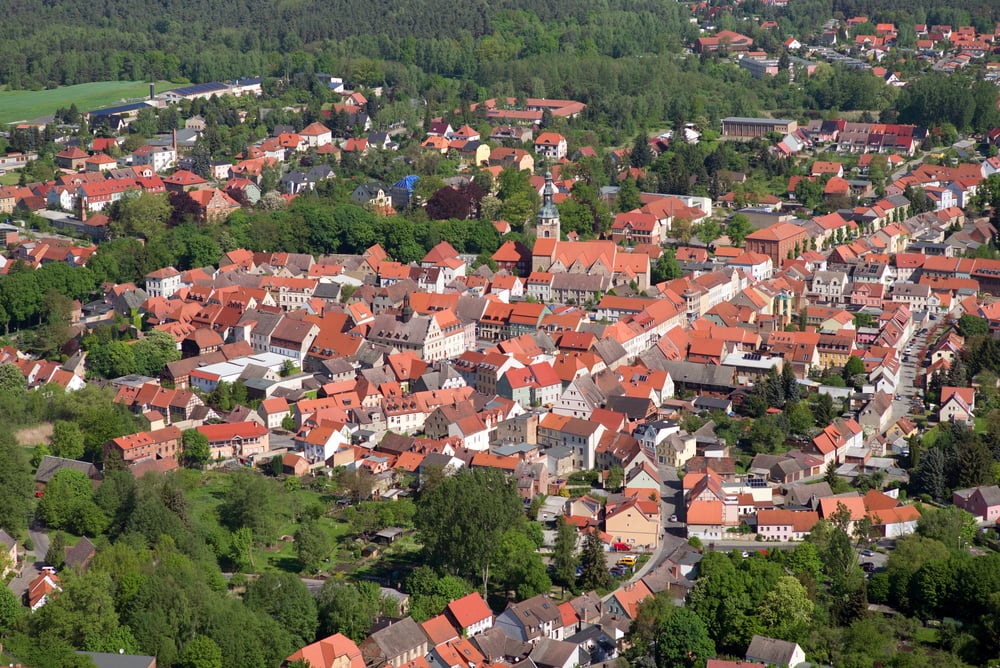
[(23, 105)]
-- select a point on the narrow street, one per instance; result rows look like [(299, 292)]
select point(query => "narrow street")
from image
[(30, 571)]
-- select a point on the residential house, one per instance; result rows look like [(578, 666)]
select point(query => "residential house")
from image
[(329, 442), (336, 651), (552, 145), (877, 413), (785, 525), (625, 601), (579, 435), (42, 587), (50, 465), (395, 645), (958, 404), (470, 614), (982, 502), (243, 440), (160, 444), (773, 652), (635, 522), (531, 620)]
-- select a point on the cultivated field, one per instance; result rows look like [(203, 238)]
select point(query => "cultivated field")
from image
[(25, 105)]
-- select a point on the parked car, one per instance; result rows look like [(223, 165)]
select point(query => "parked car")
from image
[(868, 553), (868, 567), (627, 560), (673, 518)]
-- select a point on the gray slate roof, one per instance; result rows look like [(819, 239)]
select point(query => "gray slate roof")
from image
[(50, 465)]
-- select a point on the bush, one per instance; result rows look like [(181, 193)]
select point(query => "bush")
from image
[(695, 542), (29, 544)]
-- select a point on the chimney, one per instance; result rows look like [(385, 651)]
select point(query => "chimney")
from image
[(152, 91), (174, 142)]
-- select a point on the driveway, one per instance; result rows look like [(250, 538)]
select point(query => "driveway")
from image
[(30, 571)]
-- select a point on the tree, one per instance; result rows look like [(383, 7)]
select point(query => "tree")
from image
[(738, 228), (830, 475), (642, 153), (69, 504), (16, 481), (853, 369), (951, 525), (593, 565), (800, 418), (140, 214), (196, 449), (823, 410), (615, 479), (154, 351), (12, 381), (430, 592), (931, 474), (628, 198), (67, 440), (766, 436), (347, 608), (201, 652), (55, 556), (251, 502), (518, 566), (358, 483), (564, 553), (10, 610), (467, 542), (312, 544), (286, 599), (709, 231), (670, 635)]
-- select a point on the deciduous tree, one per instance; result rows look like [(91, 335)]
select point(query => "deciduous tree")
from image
[(467, 542), (286, 599), (67, 440)]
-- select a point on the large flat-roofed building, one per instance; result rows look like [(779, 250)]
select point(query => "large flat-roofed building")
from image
[(738, 126)]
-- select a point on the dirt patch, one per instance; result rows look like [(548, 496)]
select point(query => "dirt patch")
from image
[(29, 436)]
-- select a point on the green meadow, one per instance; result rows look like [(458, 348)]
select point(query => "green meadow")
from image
[(26, 105)]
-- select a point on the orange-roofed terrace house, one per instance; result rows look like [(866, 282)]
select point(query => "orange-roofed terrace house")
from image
[(242, 439), (162, 443)]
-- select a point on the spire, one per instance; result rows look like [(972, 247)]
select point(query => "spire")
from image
[(547, 225)]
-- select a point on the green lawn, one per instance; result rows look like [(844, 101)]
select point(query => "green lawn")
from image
[(10, 179), (929, 437), (22, 105)]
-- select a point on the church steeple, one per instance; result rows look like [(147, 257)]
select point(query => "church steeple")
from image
[(547, 226)]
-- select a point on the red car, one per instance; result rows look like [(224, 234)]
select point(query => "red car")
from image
[(620, 547)]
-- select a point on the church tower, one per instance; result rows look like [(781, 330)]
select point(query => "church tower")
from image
[(547, 226)]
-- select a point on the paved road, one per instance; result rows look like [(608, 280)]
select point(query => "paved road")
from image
[(906, 388), (30, 571)]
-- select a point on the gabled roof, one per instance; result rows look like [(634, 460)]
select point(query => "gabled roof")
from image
[(469, 610)]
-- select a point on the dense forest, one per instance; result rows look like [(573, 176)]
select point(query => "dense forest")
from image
[(623, 58)]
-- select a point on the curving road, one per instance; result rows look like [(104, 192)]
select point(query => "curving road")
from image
[(30, 571)]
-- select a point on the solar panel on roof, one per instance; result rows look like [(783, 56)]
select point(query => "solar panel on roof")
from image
[(110, 111)]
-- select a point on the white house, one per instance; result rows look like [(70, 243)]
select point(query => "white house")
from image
[(321, 443), (773, 652), (163, 282)]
